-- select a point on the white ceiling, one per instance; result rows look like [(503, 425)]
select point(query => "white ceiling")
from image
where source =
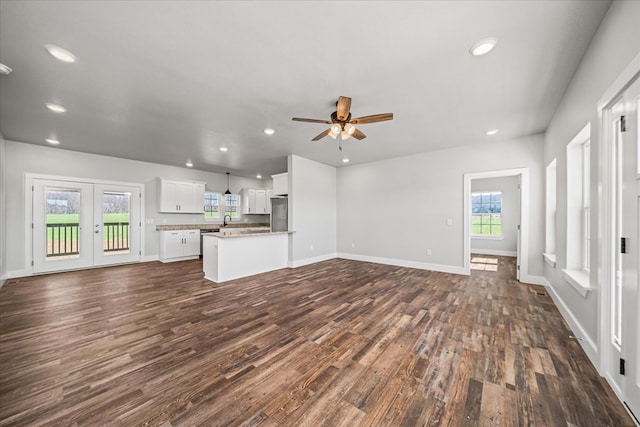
[(167, 82)]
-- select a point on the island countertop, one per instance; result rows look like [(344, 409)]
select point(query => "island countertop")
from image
[(248, 233), (210, 226)]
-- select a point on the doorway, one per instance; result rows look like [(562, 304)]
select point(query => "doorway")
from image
[(522, 228), (77, 224)]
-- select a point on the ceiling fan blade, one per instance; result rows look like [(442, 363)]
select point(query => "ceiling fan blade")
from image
[(359, 135), (322, 135), (344, 105), (297, 119), (372, 118)]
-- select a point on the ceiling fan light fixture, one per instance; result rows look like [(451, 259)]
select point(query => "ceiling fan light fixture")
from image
[(350, 129), (336, 129), (333, 135), (345, 135)]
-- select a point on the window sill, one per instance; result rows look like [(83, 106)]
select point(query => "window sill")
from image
[(579, 280), (550, 259), (486, 237)]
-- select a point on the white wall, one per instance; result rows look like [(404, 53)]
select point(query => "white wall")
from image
[(394, 210), (507, 246), (312, 211), (24, 158), (3, 213), (613, 47)]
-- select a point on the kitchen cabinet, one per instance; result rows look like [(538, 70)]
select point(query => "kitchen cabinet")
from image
[(178, 245), (280, 184), (180, 196), (255, 201)]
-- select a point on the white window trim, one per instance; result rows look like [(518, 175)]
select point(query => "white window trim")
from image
[(579, 279), (550, 259), (487, 237)]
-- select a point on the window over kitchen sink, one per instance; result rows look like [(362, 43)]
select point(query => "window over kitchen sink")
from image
[(216, 205)]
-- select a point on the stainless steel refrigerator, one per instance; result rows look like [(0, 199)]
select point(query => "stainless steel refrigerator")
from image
[(279, 214)]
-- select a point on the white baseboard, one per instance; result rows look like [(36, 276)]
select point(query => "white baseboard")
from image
[(405, 263), (585, 341), (534, 280), (149, 258), (312, 260), (18, 273), (496, 252)]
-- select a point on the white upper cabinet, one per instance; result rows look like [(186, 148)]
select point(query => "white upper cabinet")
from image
[(180, 196), (255, 201), (280, 184)]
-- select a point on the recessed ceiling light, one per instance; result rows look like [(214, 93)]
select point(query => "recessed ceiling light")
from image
[(259, 176), (5, 69), (483, 47), (189, 164), (61, 54), (492, 131), (224, 149), (269, 131), (345, 160), (56, 108), (52, 141)]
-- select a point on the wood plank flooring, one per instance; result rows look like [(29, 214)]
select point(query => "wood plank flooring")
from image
[(338, 343)]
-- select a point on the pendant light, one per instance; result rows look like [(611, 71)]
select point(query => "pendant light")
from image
[(227, 192)]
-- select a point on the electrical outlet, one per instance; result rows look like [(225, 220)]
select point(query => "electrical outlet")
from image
[(428, 252), (449, 221), (150, 221)]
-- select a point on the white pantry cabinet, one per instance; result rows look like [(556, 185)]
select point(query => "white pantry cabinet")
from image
[(180, 196), (178, 245), (256, 201)]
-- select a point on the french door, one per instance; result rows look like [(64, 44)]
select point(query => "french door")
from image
[(624, 294), (79, 225)]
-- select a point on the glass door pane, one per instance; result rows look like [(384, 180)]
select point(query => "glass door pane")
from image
[(62, 217), (117, 224), (116, 209), (63, 223)]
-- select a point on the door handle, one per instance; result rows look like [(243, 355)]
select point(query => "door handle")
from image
[(97, 231)]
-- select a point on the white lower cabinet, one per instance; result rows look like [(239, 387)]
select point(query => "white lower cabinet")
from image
[(178, 245)]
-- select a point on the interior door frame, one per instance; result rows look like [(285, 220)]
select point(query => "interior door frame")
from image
[(524, 217), (28, 211), (606, 212)]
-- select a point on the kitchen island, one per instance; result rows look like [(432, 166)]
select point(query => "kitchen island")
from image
[(232, 255)]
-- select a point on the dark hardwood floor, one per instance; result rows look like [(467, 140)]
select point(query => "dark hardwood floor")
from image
[(338, 343)]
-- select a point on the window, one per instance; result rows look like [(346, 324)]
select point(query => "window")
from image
[(486, 213), (550, 224), (586, 202), (232, 205), (212, 205), (578, 201)]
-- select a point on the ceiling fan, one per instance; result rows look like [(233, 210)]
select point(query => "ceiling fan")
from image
[(342, 124)]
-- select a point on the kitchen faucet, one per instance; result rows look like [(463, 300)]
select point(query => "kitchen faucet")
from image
[(224, 222)]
